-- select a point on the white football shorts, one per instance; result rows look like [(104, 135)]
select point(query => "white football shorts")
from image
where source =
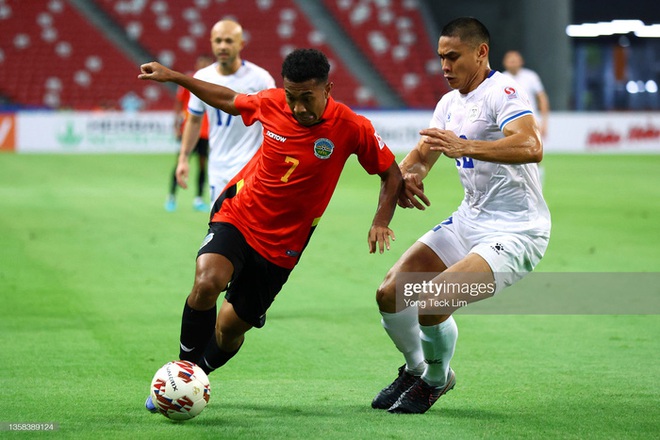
[(510, 255)]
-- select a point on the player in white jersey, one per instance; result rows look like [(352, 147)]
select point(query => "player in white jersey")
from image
[(231, 143), (531, 83), (498, 234)]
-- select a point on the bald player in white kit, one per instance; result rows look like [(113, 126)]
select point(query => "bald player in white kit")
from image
[(231, 143)]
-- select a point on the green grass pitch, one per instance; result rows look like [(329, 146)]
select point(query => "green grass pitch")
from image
[(94, 272)]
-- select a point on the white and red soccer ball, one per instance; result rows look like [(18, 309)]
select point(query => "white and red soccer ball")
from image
[(180, 390)]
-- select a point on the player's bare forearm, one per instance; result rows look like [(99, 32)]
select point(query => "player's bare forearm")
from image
[(521, 144), (419, 160), (543, 103), (213, 94), (390, 187), (516, 149), (190, 135), (189, 139), (414, 168)]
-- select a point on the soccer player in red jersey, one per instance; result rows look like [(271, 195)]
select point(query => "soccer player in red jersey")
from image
[(263, 219)]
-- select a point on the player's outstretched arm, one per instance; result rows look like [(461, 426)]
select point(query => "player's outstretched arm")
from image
[(212, 94), (390, 187)]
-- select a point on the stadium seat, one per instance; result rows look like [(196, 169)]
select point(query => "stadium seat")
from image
[(177, 32), (51, 57), (393, 37)]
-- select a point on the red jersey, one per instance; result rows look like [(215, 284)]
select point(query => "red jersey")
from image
[(183, 96), (278, 198)]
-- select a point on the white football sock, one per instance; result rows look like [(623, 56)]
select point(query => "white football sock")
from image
[(403, 329), (438, 344)]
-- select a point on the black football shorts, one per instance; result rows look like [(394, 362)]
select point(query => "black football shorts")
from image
[(255, 282)]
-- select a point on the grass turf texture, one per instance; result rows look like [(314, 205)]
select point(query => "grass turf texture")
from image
[(94, 272)]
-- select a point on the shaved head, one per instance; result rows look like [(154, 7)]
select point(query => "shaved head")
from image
[(227, 44), (228, 26)]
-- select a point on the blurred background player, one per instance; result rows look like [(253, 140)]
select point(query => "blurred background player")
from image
[(201, 146), (231, 143), (530, 82)]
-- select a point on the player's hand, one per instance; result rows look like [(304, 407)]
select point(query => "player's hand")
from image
[(155, 72), (445, 141), (182, 171), (412, 194), (379, 238)]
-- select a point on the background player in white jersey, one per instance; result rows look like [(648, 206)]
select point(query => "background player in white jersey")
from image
[(231, 143), (530, 81), (496, 236)]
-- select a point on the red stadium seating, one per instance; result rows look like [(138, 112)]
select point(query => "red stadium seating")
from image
[(51, 57), (176, 32), (391, 33)]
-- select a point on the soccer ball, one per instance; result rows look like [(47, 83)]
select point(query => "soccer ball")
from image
[(180, 390)]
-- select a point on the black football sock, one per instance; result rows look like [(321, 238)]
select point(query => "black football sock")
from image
[(197, 327), (173, 183), (214, 357), (201, 181)]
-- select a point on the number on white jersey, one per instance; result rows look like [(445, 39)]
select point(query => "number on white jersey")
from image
[(220, 114), (464, 162)]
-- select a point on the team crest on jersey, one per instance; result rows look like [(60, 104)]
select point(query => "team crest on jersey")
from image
[(473, 113), (323, 148), (510, 92)]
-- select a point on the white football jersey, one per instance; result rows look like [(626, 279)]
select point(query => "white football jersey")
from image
[(498, 197), (530, 83), (231, 143)]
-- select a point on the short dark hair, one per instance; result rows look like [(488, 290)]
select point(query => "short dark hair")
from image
[(304, 64), (467, 29)]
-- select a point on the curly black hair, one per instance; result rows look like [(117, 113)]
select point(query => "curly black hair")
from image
[(304, 64)]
